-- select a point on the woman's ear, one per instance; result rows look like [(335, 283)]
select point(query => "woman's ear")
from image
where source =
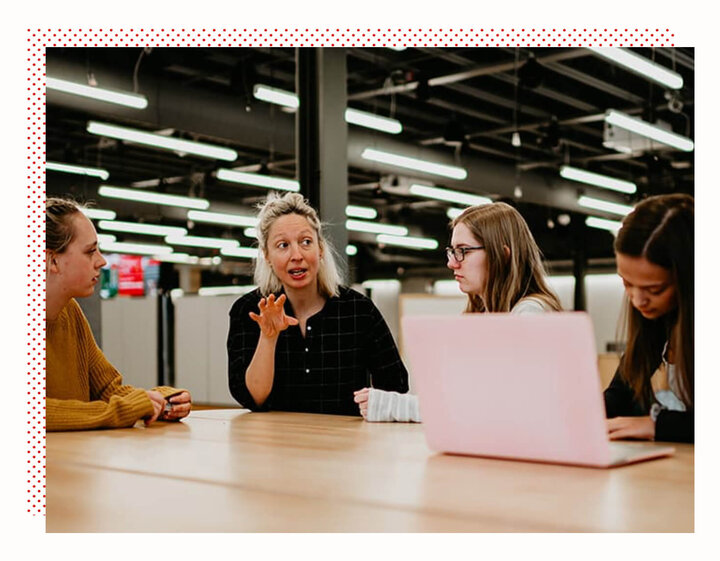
[(51, 261), (506, 250)]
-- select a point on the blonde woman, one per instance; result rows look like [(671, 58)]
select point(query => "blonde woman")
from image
[(496, 262), (302, 341), (83, 390)]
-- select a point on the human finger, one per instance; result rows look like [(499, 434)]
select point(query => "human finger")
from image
[(157, 410), (182, 397), (254, 317)]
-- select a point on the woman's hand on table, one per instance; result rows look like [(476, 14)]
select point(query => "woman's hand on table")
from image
[(361, 398), (158, 403), (181, 406), (272, 319), (640, 428)]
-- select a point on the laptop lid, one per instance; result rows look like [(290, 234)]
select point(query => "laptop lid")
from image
[(511, 386)]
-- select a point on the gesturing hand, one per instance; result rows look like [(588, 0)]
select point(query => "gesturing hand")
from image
[(631, 427), (272, 319)]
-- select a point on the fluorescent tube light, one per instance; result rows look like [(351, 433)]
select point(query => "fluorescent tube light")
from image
[(98, 214), (276, 96), (137, 228), (223, 290), (258, 180), (135, 248), (361, 212), (79, 170), (222, 218), (246, 252), (448, 195), (149, 197), (201, 241), (350, 249), (136, 101), (638, 126), (372, 121), (105, 238), (352, 116), (160, 141), (597, 179), (607, 206), (453, 213), (603, 224), (208, 261), (375, 228), (250, 233), (640, 65), (389, 158), (182, 258), (408, 241)]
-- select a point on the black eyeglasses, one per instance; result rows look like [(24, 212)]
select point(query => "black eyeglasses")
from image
[(459, 252)]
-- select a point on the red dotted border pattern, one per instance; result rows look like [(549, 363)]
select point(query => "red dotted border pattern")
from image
[(39, 39)]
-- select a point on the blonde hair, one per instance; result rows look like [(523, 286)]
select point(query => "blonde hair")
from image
[(59, 229), (275, 206), (511, 277)]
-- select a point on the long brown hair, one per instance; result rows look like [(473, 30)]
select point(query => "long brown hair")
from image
[(510, 277), (661, 230)]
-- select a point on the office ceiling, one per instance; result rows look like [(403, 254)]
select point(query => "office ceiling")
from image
[(461, 104)]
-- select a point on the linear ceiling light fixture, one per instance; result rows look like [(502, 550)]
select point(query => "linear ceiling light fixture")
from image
[(183, 258), (375, 228), (165, 142), (604, 181), (607, 206), (453, 172), (139, 228), (78, 170), (643, 128), (258, 180), (98, 214), (408, 241), (447, 195), (291, 101), (372, 121), (276, 96), (365, 212), (155, 198), (201, 241), (603, 224), (640, 65), (452, 213), (135, 248), (223, 218), (136, 101), (244, 252), (351, 249)]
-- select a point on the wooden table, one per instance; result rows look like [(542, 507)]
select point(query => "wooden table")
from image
[(224, 471)]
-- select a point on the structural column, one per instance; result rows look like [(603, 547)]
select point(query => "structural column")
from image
[(321, 139)]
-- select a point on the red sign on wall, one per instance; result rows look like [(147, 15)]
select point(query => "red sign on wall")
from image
[(130, 276)]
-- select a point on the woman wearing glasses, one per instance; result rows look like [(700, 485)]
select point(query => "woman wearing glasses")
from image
[(497, 263), (302, 341), (651, 395), (83, 390)]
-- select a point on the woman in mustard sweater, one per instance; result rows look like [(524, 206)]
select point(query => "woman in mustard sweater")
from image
[(83, 390)]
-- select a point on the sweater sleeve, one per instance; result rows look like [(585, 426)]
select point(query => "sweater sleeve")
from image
[(620, 400), (675, 426), (117, 412), (243, 336)]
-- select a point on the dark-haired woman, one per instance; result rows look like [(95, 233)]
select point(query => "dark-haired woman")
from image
[(83, 390), (651, 394)]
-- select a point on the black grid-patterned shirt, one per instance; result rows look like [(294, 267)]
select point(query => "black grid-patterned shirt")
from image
[(347, 346)]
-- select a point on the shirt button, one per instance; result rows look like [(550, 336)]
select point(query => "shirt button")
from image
[(306, 350), (307, 371), (309, 327)]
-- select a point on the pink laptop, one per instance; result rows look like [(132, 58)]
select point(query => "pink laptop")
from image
[(522, 387)]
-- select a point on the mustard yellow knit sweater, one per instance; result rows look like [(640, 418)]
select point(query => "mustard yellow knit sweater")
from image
[(83, 390)]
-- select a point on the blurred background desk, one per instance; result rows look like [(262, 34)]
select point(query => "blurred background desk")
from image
[(224, 471)]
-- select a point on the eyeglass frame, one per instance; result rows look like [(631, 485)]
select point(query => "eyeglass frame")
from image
[(453, 251)]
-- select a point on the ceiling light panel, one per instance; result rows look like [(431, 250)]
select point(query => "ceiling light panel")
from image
[(389, 158), (126, 99), (153, 198)]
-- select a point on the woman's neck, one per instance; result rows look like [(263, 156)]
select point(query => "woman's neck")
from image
[(54, 303), (306, 301)]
